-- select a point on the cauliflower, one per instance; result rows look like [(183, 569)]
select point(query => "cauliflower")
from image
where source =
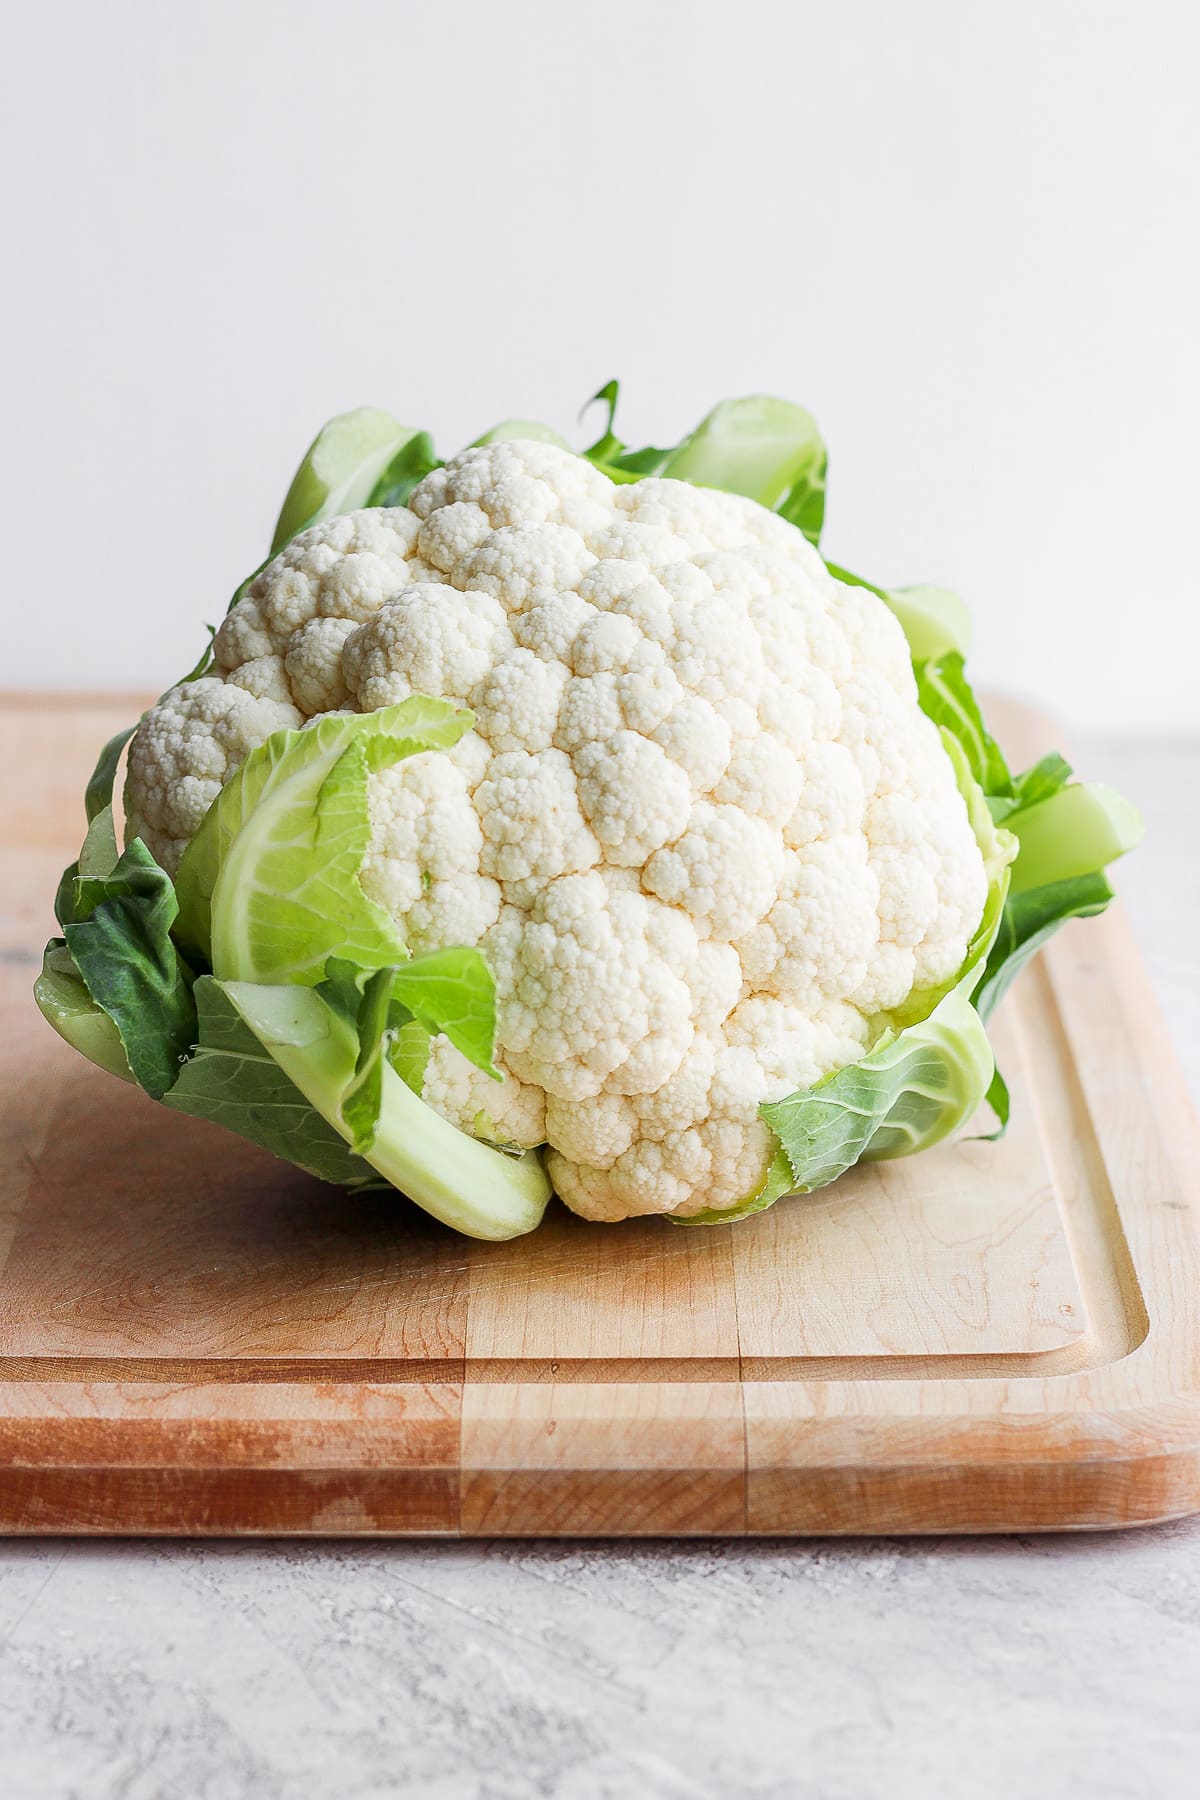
[(702, 830)]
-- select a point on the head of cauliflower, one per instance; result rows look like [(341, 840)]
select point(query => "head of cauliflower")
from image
[(701, 829)]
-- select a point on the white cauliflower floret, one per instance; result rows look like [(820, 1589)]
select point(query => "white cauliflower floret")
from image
[(832, 800), (701, 829), (627, 542), (698, 1138), (183, 753), (792, 1046), (516, 704), (724, 869), (426, 640), (452, 533), (343, 569), (533, 825), (549, 625), (633, 797), (502, 1112), (712, 1165), (823, 928), (313, 665), (712, 652), (698, 739), (584, 1000), (763, 777), (423, 860), (704, 519), (266, 678), (519, 561), (515, 482)]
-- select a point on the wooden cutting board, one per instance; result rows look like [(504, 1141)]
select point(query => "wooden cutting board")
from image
[(197, 1339)]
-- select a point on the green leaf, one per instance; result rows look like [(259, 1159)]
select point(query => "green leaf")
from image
[(448, 991), (64, 897), (101, 839), (115, 986), (946, 697), (1030, 920), (340, 469), (912, 1091), (116, 913), (765, 448), (804, 503), (935, 621), (608, 445), (364, 1096), (278, 853), (1039, 783), (98, 793), (528, 429), (64, 1002), (635, 465), (1066, 835), (120, 942), (1045, 778), (452, 991), (1076, 831), (97, 857), (408, 1054), (234, 1082), (411, 464), (476, 1190), (202, 664), (998, 1099)]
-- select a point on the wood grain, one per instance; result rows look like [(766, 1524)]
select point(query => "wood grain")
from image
[(197, 1339)]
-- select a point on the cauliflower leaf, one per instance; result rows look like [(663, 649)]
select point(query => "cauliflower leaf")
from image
[(268, 888), (342, 468), (232, 1080)]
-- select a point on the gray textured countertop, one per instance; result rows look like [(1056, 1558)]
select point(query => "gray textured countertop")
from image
[(1065, 1666)]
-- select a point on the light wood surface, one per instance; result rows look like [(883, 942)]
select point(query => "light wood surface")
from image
[(197, 1339)]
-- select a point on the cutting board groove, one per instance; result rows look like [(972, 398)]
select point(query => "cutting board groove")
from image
[(195, 1339)]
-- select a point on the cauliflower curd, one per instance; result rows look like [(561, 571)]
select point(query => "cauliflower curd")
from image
[(702, 831)]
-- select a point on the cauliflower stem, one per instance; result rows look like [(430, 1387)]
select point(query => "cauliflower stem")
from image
[(467, 1185)]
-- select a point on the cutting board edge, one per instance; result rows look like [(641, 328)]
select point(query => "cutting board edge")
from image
[(667, 1459)]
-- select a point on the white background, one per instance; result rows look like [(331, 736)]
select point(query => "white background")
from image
[(965, 235)]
